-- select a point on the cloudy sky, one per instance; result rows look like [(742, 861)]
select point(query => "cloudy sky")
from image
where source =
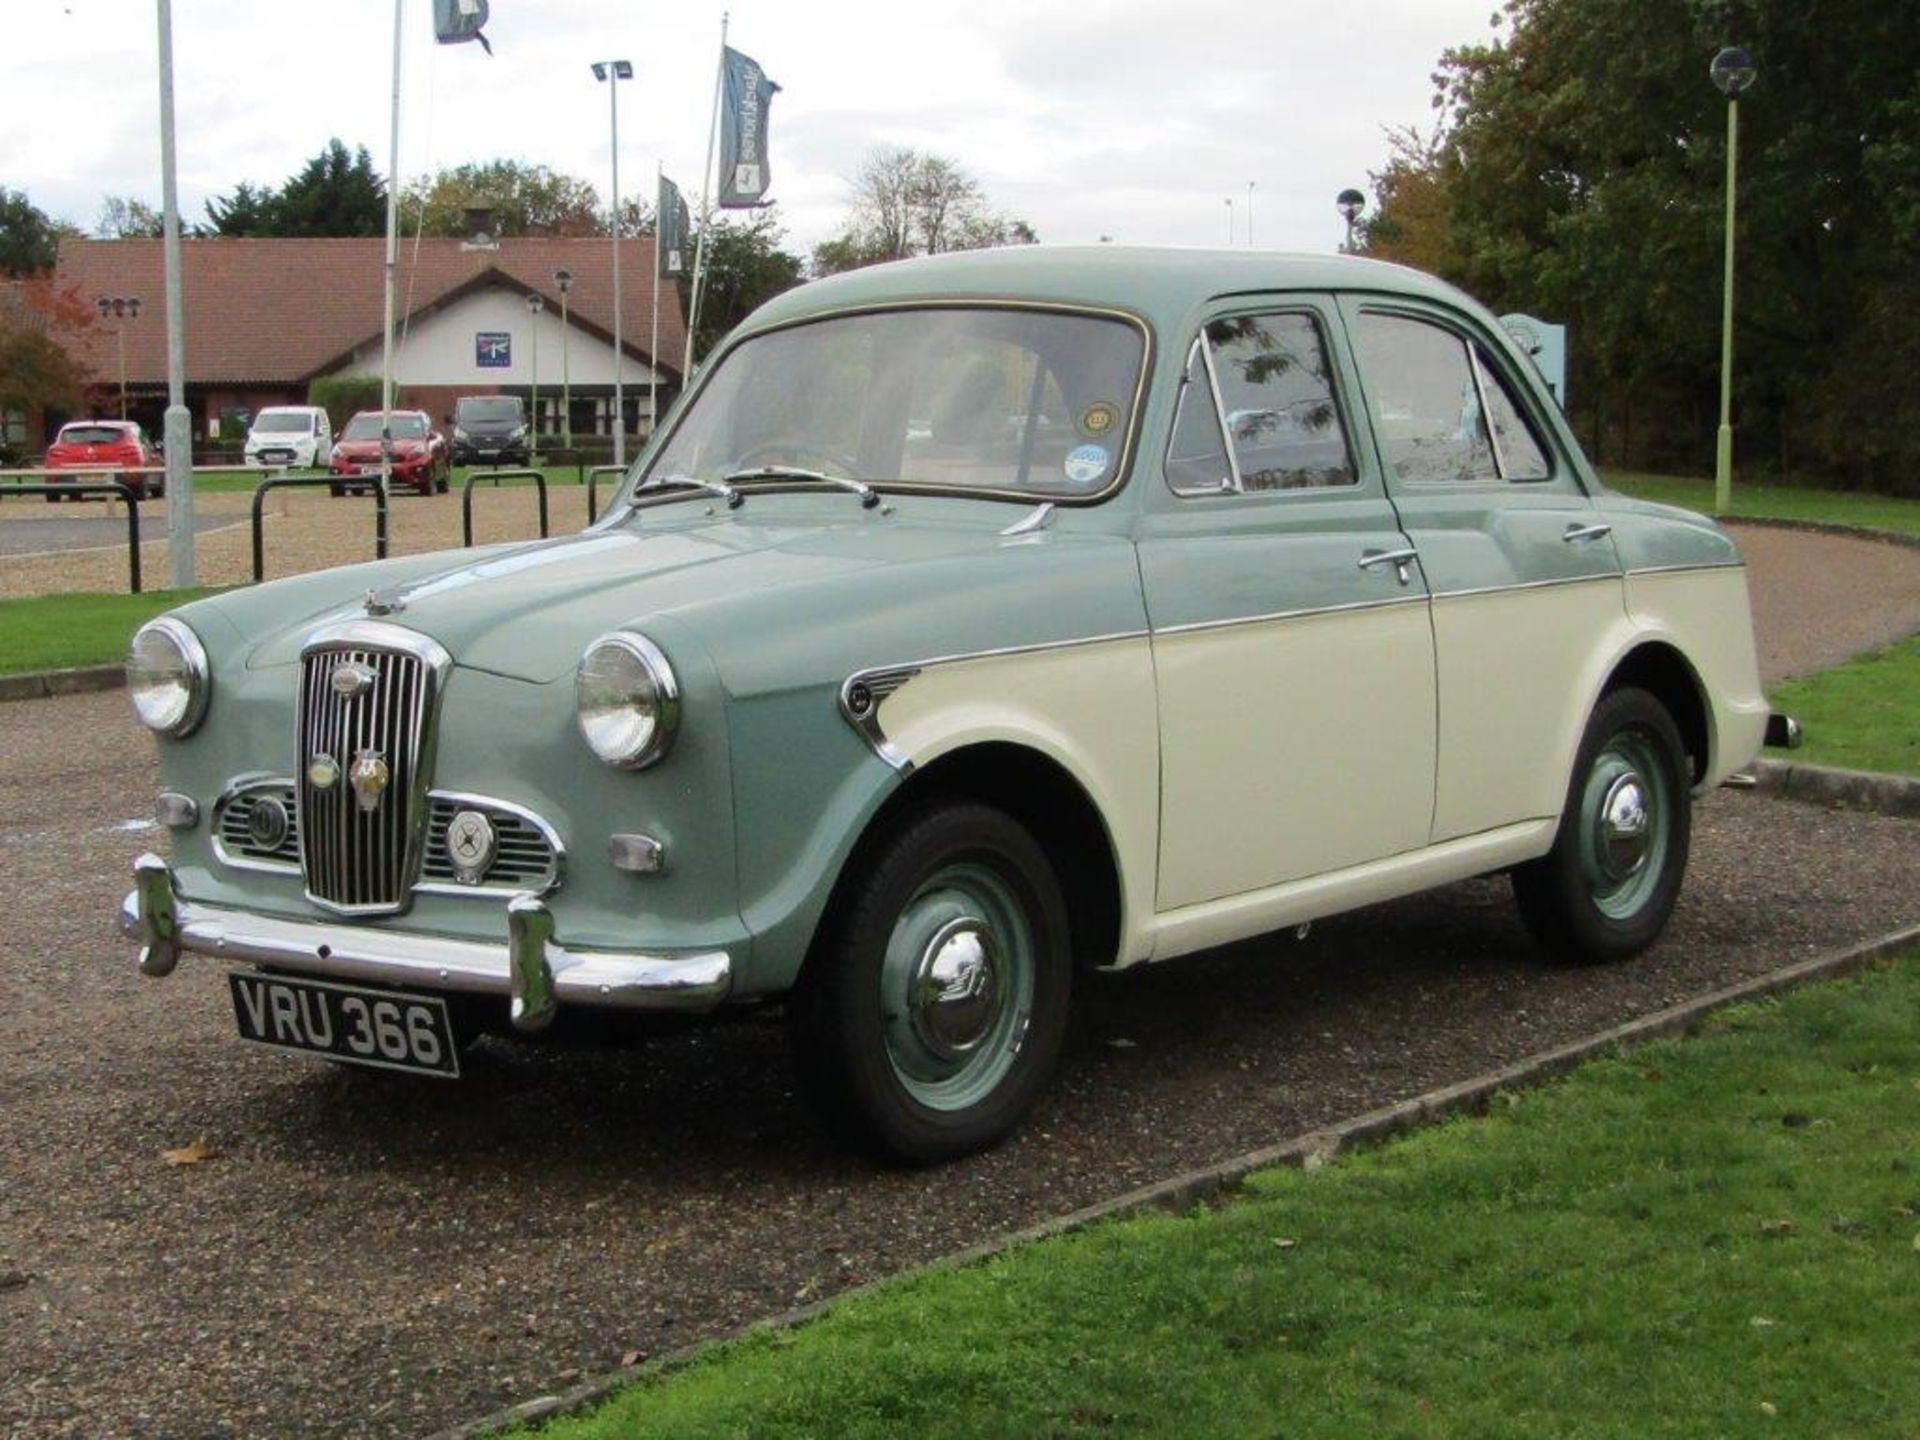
[(1136, 119)]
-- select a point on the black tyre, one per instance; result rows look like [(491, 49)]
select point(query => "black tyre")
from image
[(336, 491), (931, 1010), (1606, 889)]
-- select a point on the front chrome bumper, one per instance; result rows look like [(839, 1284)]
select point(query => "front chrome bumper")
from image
[(533, 969)]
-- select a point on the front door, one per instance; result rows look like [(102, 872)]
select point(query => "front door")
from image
[(1293, 654)]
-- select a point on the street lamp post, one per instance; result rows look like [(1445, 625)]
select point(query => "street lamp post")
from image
[(564, 279), (1229, 220), (1733, 71), (613, 72), (535, 305), (122, 308), (1250, 214), (1349, 203)]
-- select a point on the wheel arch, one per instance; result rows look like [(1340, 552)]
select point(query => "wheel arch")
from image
[(1660, 669), (1046, 798)]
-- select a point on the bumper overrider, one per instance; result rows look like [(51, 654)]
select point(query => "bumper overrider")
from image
[(530, 966)]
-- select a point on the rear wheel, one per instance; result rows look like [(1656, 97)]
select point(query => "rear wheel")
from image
[(932, 1009), (1606, 889)]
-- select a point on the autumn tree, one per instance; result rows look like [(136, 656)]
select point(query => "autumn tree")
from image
[(525, 200), (29, 240), (39, 325), (125, 217)]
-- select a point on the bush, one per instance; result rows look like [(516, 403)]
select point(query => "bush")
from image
[(341, 396)]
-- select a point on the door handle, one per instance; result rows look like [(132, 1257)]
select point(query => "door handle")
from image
[(1399, 559), (1578, 534)]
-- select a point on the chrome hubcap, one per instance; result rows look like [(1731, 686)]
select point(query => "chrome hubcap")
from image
[(955, 991), (1624, 829)]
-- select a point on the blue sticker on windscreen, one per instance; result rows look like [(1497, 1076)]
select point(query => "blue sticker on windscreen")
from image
[(1086, 463)]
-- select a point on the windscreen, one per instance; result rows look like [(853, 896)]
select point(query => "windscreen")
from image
[(487, 408), (999, 399), (407, 425), (286, 422)]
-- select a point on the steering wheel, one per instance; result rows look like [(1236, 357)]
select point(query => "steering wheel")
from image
[(801, 456)]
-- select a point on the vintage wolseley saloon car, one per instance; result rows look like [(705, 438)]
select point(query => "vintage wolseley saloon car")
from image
[(974, 620)]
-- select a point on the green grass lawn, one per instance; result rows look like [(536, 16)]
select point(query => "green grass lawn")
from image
[(1777, 502), (57, 632), (1864, 715), (1701, 1238)]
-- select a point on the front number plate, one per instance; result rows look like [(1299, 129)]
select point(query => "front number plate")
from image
[(382, 1028)]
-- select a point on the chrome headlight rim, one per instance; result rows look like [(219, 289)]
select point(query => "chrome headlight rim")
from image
[(194, 673), (664, 701)]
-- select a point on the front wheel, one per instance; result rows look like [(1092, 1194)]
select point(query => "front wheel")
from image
[(1606, 889), (933, 1006)]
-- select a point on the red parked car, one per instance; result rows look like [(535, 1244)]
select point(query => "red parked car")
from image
[(100, 447), (419, 453)]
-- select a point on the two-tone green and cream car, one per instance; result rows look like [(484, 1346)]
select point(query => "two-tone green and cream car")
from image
[(973, 621)]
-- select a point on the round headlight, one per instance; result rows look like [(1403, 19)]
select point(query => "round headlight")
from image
[(167, 677), (628, 700)]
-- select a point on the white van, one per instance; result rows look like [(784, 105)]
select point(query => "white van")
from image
[(299, 435)]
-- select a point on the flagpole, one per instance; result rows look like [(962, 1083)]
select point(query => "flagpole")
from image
[(653, 349), (706, 204)]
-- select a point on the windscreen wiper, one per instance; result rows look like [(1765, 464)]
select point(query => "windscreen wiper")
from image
[(869, 497), (715, 488)]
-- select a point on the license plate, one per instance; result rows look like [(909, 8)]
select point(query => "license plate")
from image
[(382, 1028)]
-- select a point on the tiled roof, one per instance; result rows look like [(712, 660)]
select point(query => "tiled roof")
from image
[(278, 311)]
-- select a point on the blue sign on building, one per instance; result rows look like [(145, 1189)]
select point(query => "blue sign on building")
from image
[(493, 350)]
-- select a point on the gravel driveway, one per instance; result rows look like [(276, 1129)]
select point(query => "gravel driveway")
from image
[(366, 1255)]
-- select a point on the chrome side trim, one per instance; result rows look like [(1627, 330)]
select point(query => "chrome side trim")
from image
[(860, 697), (1610, 577), (167, 926), (1194, 627), (1682, 569)]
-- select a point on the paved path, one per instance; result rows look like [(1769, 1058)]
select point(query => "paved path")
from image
[(1820, 599), (67, 529)]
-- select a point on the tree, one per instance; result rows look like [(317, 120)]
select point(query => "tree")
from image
[(38, 324), (333, 194), (249, 210), (745, 267), (525, 199), (910, 203), (29, 241), (123, 217)]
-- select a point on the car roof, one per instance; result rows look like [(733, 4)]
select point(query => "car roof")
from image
[(1160, 285)]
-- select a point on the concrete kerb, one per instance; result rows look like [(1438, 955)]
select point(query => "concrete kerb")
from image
[(39, 684), (1197, 1187), (1848, 789)]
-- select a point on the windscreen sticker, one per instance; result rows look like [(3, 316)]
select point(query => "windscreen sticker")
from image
[(1098, 418), (1085, 464)]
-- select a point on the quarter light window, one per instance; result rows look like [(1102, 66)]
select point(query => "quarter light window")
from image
[(1275, 405), (1444, 414)]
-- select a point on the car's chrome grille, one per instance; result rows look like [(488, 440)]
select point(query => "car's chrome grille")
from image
[(524, 856), (236, 826), (359, 830)]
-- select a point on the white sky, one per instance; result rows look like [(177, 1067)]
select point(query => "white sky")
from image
[(1136, 119)]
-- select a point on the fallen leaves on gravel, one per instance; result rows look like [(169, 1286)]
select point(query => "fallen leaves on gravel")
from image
[(197, 1153)]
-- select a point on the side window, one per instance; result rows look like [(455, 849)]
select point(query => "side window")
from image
[(1516, 448), (1426, 404), (1275, 404), (1197, 455)]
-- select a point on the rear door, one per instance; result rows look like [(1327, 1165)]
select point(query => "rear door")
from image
[(1292, 649), (1522, 567)]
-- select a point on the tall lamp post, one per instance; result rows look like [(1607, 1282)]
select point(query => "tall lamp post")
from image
[(564, 279), (1229, 220), (1733, 71), (122, 308), (535, 305), (1349, 203), (613, 72), (1250, 214)]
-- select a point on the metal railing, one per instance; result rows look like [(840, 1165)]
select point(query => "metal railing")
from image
[(285, 482), (466, 498), (593, 488), (109, 488)]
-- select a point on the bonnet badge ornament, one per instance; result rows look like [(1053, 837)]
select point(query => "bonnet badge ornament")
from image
[(368, 775)]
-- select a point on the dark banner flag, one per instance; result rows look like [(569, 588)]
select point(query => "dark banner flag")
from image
[(455, 21), (672, 226), (743, 131)]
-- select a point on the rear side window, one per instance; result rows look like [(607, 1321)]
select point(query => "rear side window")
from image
[(1443, 413), (1258, 410)]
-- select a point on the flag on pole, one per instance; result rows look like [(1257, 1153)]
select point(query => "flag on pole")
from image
[(744, 179), (455, 21), (672, 225)]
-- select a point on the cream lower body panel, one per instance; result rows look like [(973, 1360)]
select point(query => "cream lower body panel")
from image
[(1705, 614), (1088, 707), (1221, 922)]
